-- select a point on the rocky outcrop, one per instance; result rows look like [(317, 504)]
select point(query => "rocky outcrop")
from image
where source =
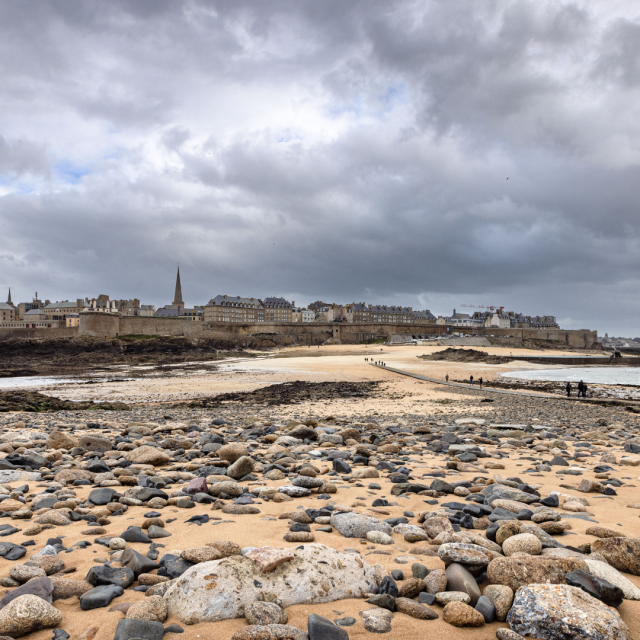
[(222, 589)]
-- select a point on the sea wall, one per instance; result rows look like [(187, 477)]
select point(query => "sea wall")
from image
[(112, 325)]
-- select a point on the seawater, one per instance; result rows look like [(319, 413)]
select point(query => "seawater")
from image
[(592, 375)]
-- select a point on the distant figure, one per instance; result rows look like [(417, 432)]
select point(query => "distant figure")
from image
[(568, 389), (584, 390), (471, 380), (580, 387), (447, 377), (480, 382)]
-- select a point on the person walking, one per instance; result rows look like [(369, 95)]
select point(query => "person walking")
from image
[(471, 380), (584, 390), (580, 386), (447, 378), (568, 389), (480, 381)]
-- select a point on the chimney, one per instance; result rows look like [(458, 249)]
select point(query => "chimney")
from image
[(293, 303)]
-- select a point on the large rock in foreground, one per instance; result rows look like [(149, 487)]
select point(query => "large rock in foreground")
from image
[(221, 589), (26, 614), (558, 612), (520, 571)]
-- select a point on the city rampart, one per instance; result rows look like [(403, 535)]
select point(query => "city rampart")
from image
[(113, 325)]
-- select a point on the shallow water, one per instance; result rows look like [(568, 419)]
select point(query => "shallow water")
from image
[(592, 375), (35, 381)]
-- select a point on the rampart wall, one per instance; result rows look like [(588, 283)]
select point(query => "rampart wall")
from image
[(112, 325)]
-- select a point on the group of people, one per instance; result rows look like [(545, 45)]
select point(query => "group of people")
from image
[(471, 379), (378, 362), (582, 389)]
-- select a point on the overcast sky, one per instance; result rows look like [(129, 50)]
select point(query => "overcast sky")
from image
[(425, 153)]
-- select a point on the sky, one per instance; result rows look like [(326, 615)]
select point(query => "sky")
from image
[(427, 153)]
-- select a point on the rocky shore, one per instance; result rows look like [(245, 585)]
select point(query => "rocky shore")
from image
[(255, 521)]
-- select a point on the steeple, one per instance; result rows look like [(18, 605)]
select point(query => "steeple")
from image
[(177, 298), (9, 300)]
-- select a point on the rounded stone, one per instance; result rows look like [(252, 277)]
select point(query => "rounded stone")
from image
[(445, 597), (27, 614), (415, 609), (506, 531), (462, 615), (22, 573), (265, 613), (116, 544), (523, 543), (153, 608), (502, 597), (436, 581), (379, 537)]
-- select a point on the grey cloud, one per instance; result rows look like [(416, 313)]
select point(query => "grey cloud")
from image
[(408, 152)]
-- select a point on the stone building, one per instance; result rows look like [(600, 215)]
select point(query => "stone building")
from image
[(33, 319), (233, 309), (277, 310), (302, 315), (23, 307), (58, 311)]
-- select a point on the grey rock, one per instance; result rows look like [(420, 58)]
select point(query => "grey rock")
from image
[(355, 525), (41, 587), (377, 620), (486, 608), (459, 579), (320, 628), (104, 575), (128, 629), (100, 596), (553, 611)]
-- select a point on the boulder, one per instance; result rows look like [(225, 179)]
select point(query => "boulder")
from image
[(460, 614), (223, 588), (61, 440), (41, 587), (502, 598), (268, 558), (232, 452), (467, 554), (147, 455), (524, 543), (459, 579), (376, 620), (26, 614), (93, 443), (436, 525), (153, 608), (355, 525), (520, 571), (621, 553), (129, 629), (612, 575), (553, 611), (243, 466)]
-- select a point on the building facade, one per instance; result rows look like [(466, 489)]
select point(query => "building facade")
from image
[(58, 311), (278, 310), (225, 308)]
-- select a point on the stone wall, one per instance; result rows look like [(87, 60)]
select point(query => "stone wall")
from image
[(111, 325), (64, 332)]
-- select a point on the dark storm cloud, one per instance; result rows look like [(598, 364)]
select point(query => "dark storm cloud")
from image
[(425, 153)]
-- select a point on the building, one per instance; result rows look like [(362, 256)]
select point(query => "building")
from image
[(131, 307), (461, 320), (23, 307), (33, 319), (73, 320), (302, 315), (7, 312), (424, 317), (328, 313), (234, 309), (277, 310), (58, 311)]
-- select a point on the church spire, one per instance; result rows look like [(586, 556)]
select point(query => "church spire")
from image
[(177, 299), (9, 300)]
